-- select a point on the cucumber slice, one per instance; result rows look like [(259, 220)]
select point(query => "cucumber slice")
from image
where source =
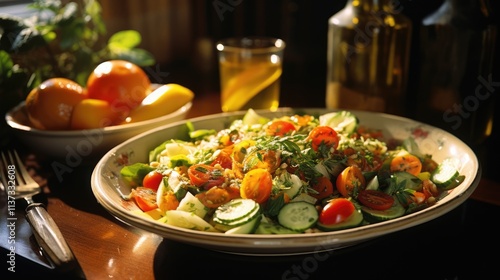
[(298, 216), (192, 204), (295, 187), (225, 226), (200, 133), (343, 122), (354, 220), (187, 220), (246, 228), (251, 117), (269, 228), (305, 198), (371, 215), (373, 184), (446, 175), (178, 148), (235, 210), (175, 183)]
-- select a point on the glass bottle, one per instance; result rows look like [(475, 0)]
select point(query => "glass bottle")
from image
[(368, 57), (455, 89)]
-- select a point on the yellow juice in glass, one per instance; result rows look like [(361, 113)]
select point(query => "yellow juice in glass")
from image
[(250, 77), (253, 85)]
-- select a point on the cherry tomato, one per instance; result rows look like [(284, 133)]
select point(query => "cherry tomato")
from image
[(240, 150), (223, 158), (407, 163), (351, 177), (262, 159), (257, 185), (229, 138), (323, 186), (205, 176), (323, 135), (152, 180), (168, 202), (359, 159), (280, 128), (336, 211), (217, 196), (376, 200), (145, 198)]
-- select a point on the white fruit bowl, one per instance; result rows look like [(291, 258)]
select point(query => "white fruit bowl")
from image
[(77, 145)]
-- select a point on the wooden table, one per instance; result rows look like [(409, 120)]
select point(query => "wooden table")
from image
[(106, 248)]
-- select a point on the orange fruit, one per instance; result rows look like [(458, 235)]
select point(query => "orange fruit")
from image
[(121, 83), (50, 105), (93, 113)]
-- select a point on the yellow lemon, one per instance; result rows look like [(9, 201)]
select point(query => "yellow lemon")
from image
[(93, 113), (162, 101)]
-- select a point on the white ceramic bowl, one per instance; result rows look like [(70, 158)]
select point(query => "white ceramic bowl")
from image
[(107, 187), (76, 145)]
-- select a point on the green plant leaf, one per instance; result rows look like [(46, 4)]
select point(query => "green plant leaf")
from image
[(68, 13), (6, 65), (137, 56), (126, 39)]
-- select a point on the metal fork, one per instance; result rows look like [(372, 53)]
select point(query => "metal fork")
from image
[(18, 183)]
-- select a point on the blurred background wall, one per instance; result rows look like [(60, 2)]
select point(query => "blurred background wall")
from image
[(182, 34)]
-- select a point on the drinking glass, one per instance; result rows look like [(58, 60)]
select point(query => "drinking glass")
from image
[(250, 71)]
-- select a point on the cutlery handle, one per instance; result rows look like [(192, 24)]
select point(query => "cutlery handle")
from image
[(49, 236)]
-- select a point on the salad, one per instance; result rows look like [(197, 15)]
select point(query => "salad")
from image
[(288, 175)]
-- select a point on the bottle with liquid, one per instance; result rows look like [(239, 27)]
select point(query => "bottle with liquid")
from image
[(368, 57), (456, 84)]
